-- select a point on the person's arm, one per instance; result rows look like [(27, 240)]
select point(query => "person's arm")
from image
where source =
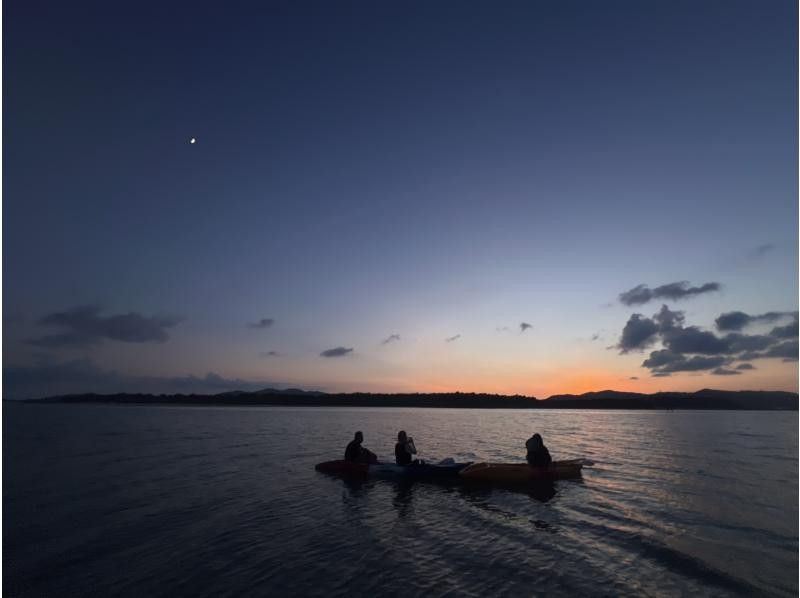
[(410, 446)]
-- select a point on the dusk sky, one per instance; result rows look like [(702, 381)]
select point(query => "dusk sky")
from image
[(400, 196)]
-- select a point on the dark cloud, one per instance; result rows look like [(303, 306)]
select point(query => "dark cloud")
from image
[(262, 323), (524, 326), (596, 336), (689, 348), (724, 372), (739, 343), (641, 294), (269, 354), (736, 320), (85, 326), (786, 349), (639, 332), (47, 377), (745, 366), (390, 339), (452, 338), (633, 378), (666, 361), (336, 352), (693, 340), (788, 331), (668, 319)]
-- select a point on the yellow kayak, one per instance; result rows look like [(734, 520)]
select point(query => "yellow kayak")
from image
[(520, 473)]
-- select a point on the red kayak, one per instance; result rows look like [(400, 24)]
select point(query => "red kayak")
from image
[(343, 468)]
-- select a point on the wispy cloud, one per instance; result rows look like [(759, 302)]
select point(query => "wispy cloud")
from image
[(725, 372), (450, 339), (262, 323), (736, 320), (392, 338), (269, 354), (761, 250), (84, 326), (336, 352), (642, 294)]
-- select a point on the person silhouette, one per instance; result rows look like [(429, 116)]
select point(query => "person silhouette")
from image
[(355, 453), (404, 449), (538, 455)]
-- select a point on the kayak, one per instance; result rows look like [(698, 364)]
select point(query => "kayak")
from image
[(342, 468), (418, 471), (521, 473)]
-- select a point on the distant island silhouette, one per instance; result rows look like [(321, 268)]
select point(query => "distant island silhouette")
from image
[(606, 399)]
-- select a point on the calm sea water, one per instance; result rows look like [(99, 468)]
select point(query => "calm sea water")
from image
[(168, 501)]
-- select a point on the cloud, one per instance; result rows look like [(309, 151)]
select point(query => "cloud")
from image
[(596, 336), (336, 352), (694, 340), (736, 320), (47, 377), (724, 372), (641, 294), (85, 326), (639, 332), (788, 331), (262, 323), (787, 350), (668, 319), (745, 366), (690, 348), (666, 361), (633, 378), (390, 339), (450, 339), (269, 354), (524, 326), (761, 251)]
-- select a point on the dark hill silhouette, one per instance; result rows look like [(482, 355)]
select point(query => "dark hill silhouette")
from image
[(606, 399)]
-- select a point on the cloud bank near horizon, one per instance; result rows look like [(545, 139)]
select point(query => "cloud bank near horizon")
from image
[(692, 349), (48, 377)]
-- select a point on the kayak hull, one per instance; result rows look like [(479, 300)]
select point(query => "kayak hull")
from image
[(421, 471), (343, 468), (390, 470), (520, 473)]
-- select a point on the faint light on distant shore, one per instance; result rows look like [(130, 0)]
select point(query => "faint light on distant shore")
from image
[(193, 140)]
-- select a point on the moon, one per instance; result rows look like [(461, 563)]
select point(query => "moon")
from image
[(192, 140)]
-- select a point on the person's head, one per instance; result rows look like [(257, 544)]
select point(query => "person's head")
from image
[(359, 438), (401, 436), (536, 441)]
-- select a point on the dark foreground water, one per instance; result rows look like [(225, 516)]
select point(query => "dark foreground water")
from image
[(171, 501)]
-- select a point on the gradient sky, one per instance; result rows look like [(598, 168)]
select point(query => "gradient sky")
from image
[(368, 169)]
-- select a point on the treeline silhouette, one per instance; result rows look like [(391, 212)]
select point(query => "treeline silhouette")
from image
[(703, 399)]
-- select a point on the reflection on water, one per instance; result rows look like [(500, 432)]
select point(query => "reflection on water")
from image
[(132, 501)]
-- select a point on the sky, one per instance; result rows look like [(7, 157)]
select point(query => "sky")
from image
[(387, 196)]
